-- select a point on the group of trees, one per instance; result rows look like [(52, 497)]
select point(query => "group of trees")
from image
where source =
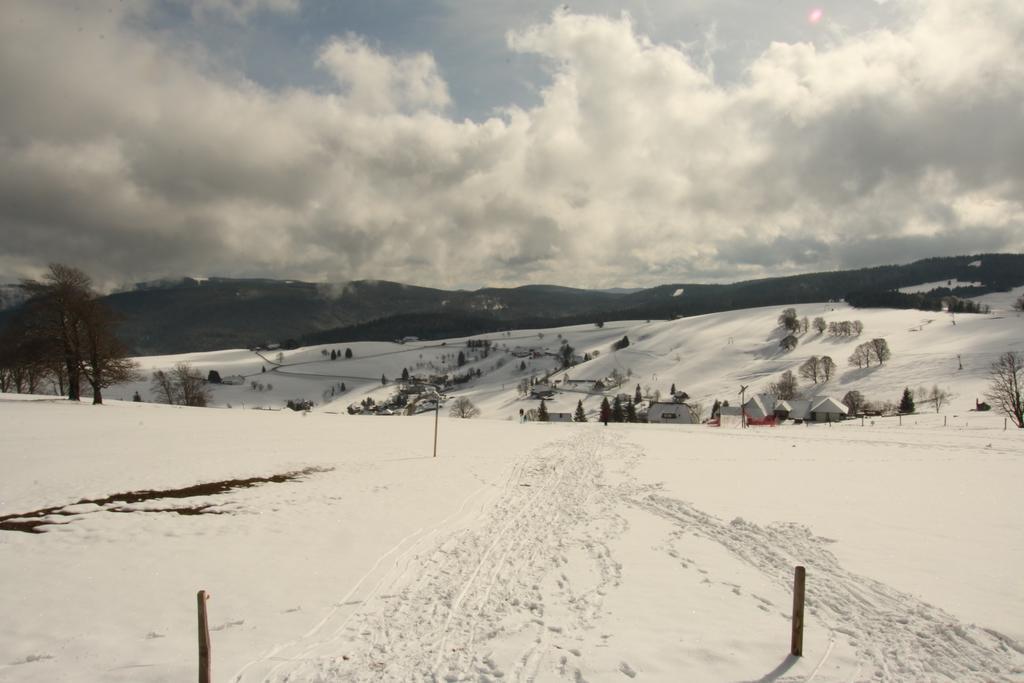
[(183, 386), (794, 325), (63, 337), (617, 411), (335, 354), (874, 350), (789, 321), (816, 369), (845, 328)]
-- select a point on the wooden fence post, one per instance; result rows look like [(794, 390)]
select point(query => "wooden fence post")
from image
[(797, 641), (204, 638)]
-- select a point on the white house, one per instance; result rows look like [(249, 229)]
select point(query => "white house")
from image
[(670, 413)]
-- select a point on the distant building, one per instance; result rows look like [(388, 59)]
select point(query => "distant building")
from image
[(670, 413), (541, 390)]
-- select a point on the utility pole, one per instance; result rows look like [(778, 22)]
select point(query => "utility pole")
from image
[(437, 412), (743, 404)]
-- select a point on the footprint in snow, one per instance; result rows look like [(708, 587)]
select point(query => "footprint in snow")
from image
[(625, 668)]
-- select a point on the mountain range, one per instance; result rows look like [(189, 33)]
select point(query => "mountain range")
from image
[(192, 314)]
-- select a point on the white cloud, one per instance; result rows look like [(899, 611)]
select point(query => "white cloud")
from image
[(124, 156), (382, 84)]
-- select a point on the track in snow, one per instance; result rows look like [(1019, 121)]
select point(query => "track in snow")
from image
[(494, 577), (897, 636)]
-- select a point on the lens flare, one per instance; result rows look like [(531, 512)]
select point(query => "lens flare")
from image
[(815, 15)]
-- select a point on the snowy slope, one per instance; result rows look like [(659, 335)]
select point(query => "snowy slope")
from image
[(523, 552), (707, 356)]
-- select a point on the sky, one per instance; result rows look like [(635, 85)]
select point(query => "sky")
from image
[(462, 144)]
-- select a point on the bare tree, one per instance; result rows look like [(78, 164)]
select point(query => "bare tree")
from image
[(1006, 385), (1018, 305), (858, 327), (463, 408), (938, 396), (53, 313), (192, 388), (854, 400), (183, 385), (788, 343), (697, 411), (788, 320), (827, 367), (162, 386), (819, 324), (105, 360), (880, 349), (861, 356), (67, 334), (786, 388), (810, 369)]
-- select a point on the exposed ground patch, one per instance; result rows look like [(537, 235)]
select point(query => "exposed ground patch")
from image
[(35, 522)]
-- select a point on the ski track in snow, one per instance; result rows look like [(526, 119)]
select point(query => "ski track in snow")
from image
[(491, 576), (897, 636)]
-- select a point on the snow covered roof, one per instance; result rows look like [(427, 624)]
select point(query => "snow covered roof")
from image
[(758, 405), (827, 404)]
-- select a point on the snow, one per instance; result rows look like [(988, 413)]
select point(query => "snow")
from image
[(527, 551), (678, 292), (929, 286)]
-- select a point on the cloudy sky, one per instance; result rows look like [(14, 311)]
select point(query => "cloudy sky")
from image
[(460, 143)]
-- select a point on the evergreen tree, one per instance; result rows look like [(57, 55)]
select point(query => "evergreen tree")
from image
[(716, 408), (334, 356), (462, 359), (405, 374), (673, 389), (630, 412), (907, 402), (618, 415), (348, 353), (637, 396), (264, 368), (606, 411), (383, 379), (542, 412), (579, 415)]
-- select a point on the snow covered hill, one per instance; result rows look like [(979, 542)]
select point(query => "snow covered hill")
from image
[(707, 356)]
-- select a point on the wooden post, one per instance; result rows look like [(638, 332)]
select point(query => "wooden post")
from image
[(944, 418), (797, 642), (437, 410), (204, 639)]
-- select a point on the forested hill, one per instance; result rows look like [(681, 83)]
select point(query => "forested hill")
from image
[(200, 315)]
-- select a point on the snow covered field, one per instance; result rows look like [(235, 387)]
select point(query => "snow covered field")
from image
[(524, 551), (536, 551)]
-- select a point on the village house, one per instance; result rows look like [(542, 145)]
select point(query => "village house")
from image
[(542, 390), (670, 413)]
